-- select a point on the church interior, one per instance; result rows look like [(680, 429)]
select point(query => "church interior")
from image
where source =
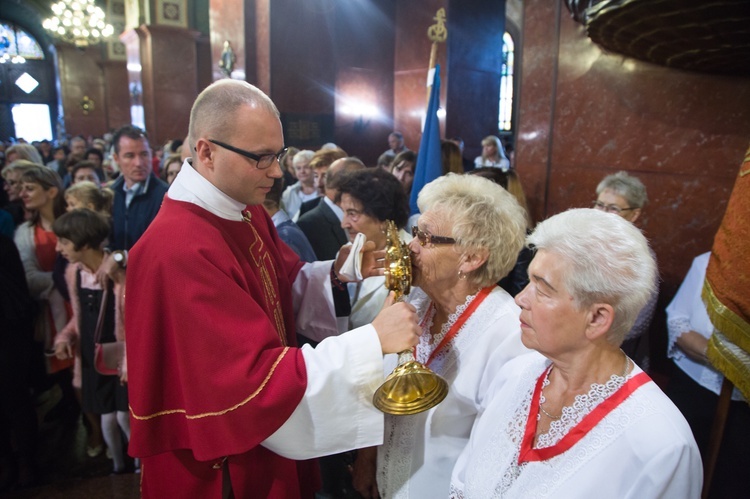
[(575, 89)]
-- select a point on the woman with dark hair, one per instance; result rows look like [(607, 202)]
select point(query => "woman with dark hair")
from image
[(42, 196), (104, 399), (403, 169), (369, 198)]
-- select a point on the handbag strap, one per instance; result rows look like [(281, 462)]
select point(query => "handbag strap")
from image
[(102, 314)]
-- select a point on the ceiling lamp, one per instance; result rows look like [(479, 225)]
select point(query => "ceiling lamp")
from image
[(79, 22)]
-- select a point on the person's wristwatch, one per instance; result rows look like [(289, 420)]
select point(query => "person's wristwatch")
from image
[(120, 258)]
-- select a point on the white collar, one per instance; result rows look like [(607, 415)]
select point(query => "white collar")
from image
[(192, 187)]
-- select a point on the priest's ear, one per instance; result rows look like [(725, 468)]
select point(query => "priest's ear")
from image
[(203, 153)]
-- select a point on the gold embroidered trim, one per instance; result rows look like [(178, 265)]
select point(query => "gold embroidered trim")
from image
[(734, 327), (730, 361), (216, 413)]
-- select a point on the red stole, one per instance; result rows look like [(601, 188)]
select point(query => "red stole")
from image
[(528, 453)]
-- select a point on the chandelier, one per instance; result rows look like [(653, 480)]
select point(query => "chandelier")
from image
[(79, 22)]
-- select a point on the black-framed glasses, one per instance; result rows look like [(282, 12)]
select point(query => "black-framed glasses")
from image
[(426, 239), (609, 208), (263, 161)]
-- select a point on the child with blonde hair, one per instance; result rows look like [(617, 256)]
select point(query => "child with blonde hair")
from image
[(89, 195)]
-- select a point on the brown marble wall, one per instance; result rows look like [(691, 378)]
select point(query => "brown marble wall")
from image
[(303, 63), (327, 56), (168, 77), (81, 75), (364, 49), (116, 93), (585, 114)]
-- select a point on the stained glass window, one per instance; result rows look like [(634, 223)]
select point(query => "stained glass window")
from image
[(15, 42), (506, 84)]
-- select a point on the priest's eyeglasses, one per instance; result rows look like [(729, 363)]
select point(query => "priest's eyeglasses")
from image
[(609, 208), (262, 161), (427, 239)]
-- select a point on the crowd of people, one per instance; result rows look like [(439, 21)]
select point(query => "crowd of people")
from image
[(250, 351)]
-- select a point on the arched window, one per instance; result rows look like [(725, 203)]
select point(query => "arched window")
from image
[(15, 43), (505, 114), (27, 86)]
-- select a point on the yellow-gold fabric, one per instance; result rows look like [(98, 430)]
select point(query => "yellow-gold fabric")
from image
[(726, 290)]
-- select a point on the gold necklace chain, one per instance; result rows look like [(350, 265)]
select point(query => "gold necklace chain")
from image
[(555, 418)]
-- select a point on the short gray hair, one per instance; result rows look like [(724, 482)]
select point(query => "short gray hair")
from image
[(484, 215), (27, 152), (608, 261), (304, 156), (218, 102), (627, 186)]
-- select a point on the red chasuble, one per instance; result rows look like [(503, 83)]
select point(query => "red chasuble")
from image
[(210, 324)]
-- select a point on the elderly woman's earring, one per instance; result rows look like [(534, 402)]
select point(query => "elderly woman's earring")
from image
[(461, 275)]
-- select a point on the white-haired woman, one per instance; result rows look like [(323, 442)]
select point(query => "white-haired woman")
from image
[(468, 237), (302, 190), (581, 419), (493, 154)]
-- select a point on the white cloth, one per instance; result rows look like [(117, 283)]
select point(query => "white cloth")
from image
[(343, 371), (420, 450), (293, 197), (687, 312), (351, 269), (503, 163), (642, 449)]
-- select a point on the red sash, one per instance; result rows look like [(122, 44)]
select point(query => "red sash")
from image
[(459, 322), (528, 453)]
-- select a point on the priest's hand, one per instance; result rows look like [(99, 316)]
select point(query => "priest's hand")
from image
[(397, 326), (373, 261)]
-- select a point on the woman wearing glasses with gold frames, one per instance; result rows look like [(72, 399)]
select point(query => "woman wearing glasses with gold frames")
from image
[(467, 238)]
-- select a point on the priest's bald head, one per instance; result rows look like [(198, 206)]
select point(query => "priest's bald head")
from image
[(236, 140)]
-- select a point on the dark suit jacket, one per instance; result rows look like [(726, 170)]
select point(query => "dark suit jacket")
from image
[(308, 206), (323, 229)]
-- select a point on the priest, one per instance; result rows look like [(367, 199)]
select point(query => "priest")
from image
[(222, 402)]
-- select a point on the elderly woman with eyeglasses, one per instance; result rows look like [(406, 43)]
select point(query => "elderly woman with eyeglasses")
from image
[(467, 238), (579, 418), (368, 198), (625, 196)]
